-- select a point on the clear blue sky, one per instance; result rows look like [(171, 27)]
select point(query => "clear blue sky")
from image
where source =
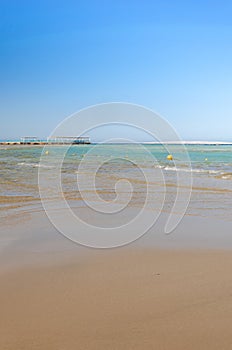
[(172, 56)]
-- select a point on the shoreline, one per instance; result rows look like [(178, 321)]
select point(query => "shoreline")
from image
[(29, 237)]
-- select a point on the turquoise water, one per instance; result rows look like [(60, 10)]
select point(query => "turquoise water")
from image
[(211, 168)]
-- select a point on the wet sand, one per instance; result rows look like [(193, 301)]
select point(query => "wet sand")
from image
[(161, 292), (126, 298)]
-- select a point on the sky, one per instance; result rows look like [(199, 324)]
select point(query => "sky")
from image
[(171, 56)]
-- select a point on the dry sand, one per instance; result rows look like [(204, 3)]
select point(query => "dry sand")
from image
[(120, 299)]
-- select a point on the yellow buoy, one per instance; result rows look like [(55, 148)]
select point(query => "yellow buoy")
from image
[(206, 159), (169, 157), (46, 152)]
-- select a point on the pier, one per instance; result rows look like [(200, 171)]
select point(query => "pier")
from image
[(72, 140), (55, 140)]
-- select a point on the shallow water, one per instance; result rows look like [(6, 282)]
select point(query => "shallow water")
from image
[(211, 168)]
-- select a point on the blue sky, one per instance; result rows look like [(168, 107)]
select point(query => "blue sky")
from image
[(174, 57)]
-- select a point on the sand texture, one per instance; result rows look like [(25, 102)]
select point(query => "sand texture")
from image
[(120, 299)]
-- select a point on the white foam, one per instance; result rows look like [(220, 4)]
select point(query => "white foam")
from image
[(35, 165)]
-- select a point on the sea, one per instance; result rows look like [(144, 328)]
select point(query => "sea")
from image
[(206, 173)]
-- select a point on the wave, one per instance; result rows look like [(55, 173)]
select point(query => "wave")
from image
[(35, 165), (225, 176), (188, 170), (218, 174)]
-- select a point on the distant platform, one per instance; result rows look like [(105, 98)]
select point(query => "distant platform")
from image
[(58, 140)]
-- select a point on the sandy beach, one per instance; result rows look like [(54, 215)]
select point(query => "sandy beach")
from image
[(162, 291), (120, 299)]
